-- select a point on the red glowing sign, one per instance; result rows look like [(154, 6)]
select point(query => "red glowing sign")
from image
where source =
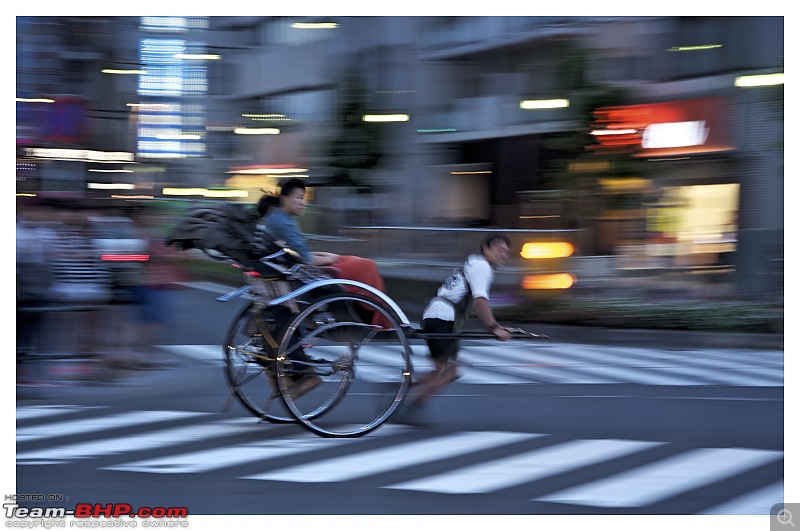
[(672, 128)]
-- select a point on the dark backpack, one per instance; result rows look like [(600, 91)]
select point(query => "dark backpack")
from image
[(227, 228)]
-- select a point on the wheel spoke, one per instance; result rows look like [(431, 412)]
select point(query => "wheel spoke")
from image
[(246, 364), (368, 367)]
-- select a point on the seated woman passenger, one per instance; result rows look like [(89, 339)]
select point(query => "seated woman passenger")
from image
[(281, 222)]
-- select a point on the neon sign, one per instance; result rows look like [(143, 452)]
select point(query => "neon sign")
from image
[(661, 129)]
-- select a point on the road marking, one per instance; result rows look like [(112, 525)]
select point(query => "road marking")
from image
[(572, 364), (81, 426), (216, 458), (532, 365), (750, 358), (759, 501), (645, 485), (385, 459), (639, 397), (660, 480), (36, 412), (525, 467), (139, 442), (711, 365)]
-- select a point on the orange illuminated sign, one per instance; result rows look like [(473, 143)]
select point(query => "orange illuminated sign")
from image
[(662, 129), (548, 281), (533, 250)]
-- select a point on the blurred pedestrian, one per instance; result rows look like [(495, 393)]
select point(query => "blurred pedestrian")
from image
[(81, 285), (161, 275), (33, 276), (466, 288)]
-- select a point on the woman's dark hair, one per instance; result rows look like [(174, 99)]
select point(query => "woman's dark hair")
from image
[(266, 202)]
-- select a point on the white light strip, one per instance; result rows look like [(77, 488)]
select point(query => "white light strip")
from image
[(544, 104), (113, 157), (198, 56), (603, 132), (694, 48), (153, 106), (178, 137), (183, 191), (268, 171), (765, 80), (315, 25), (204, 192), (123, 72), (386, 117), (35, 100), (111, 171), (259, 131), (226, 193), (110, 186), (272, 115)]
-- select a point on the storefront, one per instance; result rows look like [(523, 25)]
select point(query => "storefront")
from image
[(680, 208)]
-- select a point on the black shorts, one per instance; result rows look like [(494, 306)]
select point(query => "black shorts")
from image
[(441, 349)]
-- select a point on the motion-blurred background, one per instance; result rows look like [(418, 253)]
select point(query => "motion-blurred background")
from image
[(637, 155)]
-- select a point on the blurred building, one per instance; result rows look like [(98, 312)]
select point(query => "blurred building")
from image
[(659, 138)]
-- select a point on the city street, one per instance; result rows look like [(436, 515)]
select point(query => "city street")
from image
[(612, 186), (530, 428)]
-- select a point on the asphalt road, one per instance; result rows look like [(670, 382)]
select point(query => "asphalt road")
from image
[(577, 428)]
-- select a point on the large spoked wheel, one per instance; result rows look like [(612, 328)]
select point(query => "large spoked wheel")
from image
[(250, 370), (330, 356)]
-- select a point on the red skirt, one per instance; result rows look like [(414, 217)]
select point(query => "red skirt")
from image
[(365, 271)]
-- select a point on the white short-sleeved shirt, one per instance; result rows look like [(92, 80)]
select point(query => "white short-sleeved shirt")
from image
[(479, 275)]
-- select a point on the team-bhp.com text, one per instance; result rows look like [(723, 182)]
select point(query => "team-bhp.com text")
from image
[(92, 515)]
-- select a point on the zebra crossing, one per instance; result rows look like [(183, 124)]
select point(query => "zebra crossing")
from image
[(609, 473), (562, 363)]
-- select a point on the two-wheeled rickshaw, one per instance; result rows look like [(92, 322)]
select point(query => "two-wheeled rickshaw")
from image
[(303, 350)]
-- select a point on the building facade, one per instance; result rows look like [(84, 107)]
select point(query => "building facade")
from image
[(653, 138)]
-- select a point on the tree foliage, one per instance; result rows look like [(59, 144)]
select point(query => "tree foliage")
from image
[(355, 145)]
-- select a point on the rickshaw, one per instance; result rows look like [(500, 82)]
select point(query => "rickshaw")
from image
[(303, 348), (303, 322)]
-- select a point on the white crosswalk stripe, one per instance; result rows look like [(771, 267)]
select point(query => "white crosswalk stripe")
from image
[(216, 458), (138, 442), (525, 467), (528, 459), (403, 455), (74, 427), (35, 412), (563, 363), (757, 502), (650, 483)]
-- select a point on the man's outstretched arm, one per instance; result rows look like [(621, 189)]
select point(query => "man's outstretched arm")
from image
[(484, 311)]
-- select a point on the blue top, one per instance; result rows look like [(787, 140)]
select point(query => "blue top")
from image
[(283, 227)]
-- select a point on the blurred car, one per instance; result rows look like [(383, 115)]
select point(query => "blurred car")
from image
[(123, 248)]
